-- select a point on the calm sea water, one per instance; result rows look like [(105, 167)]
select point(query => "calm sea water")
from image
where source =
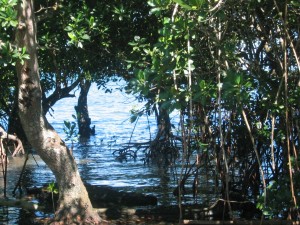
[(110, 113)]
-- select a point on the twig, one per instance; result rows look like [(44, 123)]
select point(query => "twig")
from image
[(21, 175), (258, 159)]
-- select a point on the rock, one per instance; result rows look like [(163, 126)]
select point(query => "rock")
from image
[(102, 196), (220, 209)]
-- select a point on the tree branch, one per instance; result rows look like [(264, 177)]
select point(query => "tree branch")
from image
[(46, 12), (19, 148), (59, 94)]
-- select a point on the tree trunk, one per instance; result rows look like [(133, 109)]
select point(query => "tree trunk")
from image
[(14, 123), (161, 147), (163, 124), (74, 205), (83, 119), (59, 93)]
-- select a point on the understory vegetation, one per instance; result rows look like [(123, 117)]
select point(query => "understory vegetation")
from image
[(231, 69)]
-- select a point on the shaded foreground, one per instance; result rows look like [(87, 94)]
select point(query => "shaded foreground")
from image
[(134, 208), (118, 216), (243, 222)]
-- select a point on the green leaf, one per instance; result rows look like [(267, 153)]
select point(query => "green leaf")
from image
[(92, 21), (155, 10), (183, 5), (23, 50), (68, 28), (72, 35), (238, 79), (167, 20), (26, 56), (151, 3), (196, 4), (13, 23), (85, 37), (132, 43), (133, 118), (202, 84), (67, 124), (296, 3)]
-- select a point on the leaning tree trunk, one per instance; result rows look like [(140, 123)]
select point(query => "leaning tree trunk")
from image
[(83, 119), (74, 203)]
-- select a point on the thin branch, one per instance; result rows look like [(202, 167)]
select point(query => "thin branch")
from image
[(287, 35), (272, 142), (257, 156), (174, 72), (45, 12), (217, 6), (287, 123)]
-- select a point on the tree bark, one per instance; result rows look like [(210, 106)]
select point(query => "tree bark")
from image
[(83, 119), (161, 147), (74, 205), (163, 124), (59, 93), (14, 123)]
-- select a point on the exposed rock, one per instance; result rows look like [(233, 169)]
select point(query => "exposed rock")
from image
[(218, 211), (115, 205), (246, 209), (102, 196)]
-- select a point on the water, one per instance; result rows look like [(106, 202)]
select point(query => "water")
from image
[(110, 113)]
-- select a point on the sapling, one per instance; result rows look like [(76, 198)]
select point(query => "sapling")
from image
[(52, 188)]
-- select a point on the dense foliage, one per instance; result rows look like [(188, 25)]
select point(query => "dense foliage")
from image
[(78, 41), (231, 68)]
